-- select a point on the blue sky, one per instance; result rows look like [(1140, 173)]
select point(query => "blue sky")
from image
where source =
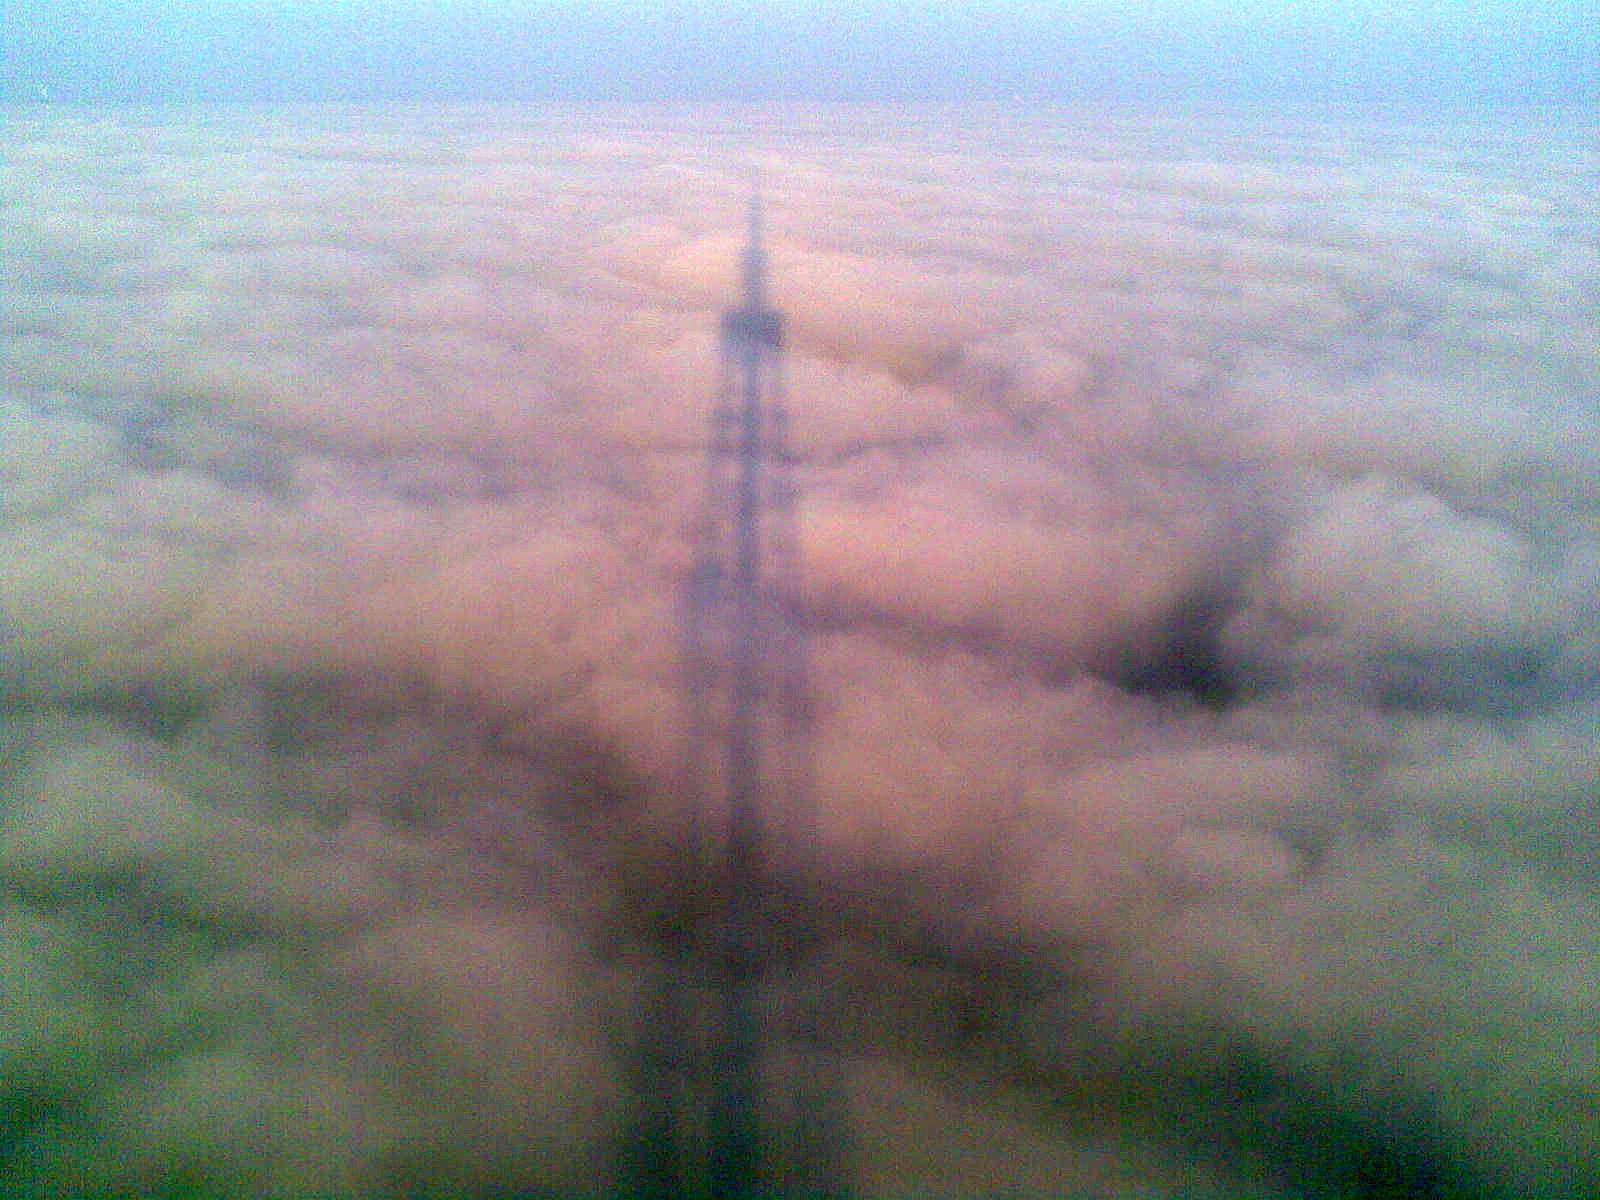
[(1489, 51)]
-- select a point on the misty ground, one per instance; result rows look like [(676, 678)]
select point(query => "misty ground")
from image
[(1201, 534)]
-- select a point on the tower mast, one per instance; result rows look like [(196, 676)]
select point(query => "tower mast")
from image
[(715, 1122), (752, 343)]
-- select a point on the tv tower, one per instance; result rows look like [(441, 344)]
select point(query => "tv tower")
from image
[(719, 1122), (743, 653)]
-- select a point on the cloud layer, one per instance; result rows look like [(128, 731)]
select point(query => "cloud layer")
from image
[(1201, 547)]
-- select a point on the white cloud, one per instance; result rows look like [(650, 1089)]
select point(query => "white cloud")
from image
[(1200, 531)]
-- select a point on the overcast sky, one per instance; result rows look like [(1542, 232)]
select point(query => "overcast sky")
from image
[(1473, 51)]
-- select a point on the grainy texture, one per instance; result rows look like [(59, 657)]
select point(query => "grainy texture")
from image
[(1202, 542)]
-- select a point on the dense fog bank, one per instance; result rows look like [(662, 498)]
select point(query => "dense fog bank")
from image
[(1201, 542)]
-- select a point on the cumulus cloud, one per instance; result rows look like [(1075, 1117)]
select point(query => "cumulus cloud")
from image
[(1200, 548)]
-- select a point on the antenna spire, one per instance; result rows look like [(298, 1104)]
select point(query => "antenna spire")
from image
[(754, 259)]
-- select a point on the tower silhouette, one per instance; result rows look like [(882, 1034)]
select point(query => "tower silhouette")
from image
[(718, 1120), (744, 650)]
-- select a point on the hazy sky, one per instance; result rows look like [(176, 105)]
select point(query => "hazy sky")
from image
[(1476, 51)]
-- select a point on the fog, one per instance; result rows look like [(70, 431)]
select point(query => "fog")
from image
[(1201, 544)]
